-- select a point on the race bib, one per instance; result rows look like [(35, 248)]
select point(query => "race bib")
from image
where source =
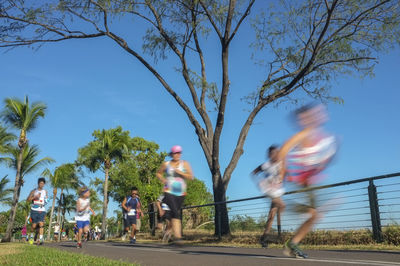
[(132, 212)]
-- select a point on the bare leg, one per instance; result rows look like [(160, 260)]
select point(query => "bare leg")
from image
[(176, 228), (306, 226), (277, 207)]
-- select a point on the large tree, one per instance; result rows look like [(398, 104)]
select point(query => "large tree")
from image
[(301, 45), (27, 162), (107, 148), (64, 177)]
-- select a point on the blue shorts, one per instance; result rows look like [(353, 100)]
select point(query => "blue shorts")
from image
[(82, 224), (37, 216), (129, 220)]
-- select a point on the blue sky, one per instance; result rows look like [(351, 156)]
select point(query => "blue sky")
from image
[(93, 84)]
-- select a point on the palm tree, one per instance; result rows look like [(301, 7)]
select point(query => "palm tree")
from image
[(28, 163), (68, 204), (65, 176), (5, 192), (24, 117), (5, 139), (108, 147)]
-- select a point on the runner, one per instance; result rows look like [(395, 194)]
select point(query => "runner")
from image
[(271, 185), (76, 231), (39, 199), (56, 231), (303, 157), (131, 206), (82, 216), (164, 216), (176, 173)]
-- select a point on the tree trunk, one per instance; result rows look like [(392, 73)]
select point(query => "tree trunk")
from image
[(105, 204), (221, 219), (17, 190), (51, 213), (59, 213)]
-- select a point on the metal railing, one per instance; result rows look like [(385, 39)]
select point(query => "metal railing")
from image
[(370, 203)]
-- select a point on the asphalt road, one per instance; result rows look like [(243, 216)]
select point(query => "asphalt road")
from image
[(157, 254)]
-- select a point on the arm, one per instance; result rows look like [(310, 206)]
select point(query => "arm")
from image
[(124, 205), (257, 170), (160, 173), (287, 146), (93, 213), (188, 174), (78, 206), (31, 196), (160, 210)]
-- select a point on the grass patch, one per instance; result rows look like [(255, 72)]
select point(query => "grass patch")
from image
[(23, 254)]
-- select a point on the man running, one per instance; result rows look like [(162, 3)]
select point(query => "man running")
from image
[(39, 199), (131, 206)]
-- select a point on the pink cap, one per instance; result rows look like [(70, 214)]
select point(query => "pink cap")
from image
[(176, 149)]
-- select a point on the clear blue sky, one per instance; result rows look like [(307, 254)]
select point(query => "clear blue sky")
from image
[(93, 84)]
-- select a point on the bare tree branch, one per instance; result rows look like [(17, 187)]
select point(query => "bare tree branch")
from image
[(246, 13), (211, 19)]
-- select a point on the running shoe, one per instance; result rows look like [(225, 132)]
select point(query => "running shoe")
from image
[(123, 238), (293, 250), (31, 241), (132, 241), (79, 245)]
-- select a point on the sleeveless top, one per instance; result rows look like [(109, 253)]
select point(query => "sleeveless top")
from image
[(38, 205), (83, 215), (176, 185)]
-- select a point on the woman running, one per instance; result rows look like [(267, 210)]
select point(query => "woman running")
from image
[(173, 174)]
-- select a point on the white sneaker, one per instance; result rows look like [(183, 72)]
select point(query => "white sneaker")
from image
[(123, 238)]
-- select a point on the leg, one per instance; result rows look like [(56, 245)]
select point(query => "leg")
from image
[(176, 228), (306, 226)]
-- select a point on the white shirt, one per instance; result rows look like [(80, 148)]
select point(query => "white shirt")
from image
[(56, 229), (83, 215), (38, 205), (270, 184)]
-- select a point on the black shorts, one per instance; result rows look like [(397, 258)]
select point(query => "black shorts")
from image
[(129, 220), (175, 204), (166, 216)]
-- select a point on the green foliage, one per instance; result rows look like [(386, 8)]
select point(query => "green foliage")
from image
[(21, 114), (197, 194), (65, 176), (138, 170), (108, 147), (5, 192), (31, 255), (325, 43), (29, 163), (245, 223), (5, 140)]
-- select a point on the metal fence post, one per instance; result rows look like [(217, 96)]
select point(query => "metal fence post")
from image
[(375, 215)]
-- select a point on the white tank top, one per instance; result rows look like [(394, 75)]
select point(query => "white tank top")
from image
[(38, 205), (83, 215)]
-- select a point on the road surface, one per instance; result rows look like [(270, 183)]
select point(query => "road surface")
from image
[(158, 254)]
